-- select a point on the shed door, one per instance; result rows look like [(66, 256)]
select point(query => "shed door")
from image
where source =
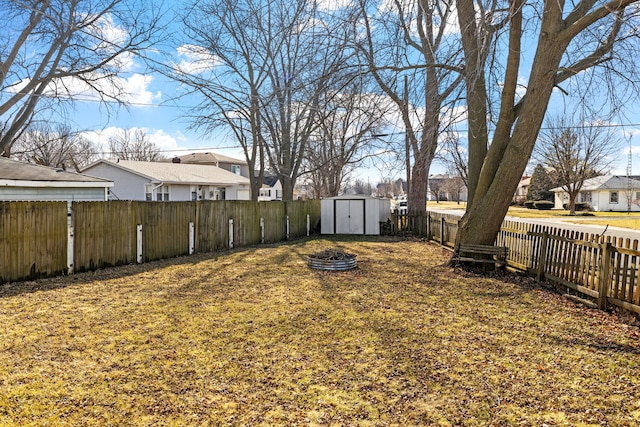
[(349, 216)]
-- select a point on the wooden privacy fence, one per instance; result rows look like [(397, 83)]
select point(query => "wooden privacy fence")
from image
[(598, 270), (52, 238)]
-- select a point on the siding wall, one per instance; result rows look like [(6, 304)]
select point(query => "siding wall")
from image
[(53, 193), (127, 186)]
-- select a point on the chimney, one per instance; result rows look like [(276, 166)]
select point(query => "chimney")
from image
[(176, 159)]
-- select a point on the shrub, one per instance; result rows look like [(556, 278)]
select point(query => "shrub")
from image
[(529, 204), (543, 205), (580, 206)]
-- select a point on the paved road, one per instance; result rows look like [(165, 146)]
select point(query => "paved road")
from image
[(565, 223)]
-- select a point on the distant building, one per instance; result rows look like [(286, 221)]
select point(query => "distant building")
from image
[(25, 181), (271, 189), (521, 192), (161, 181), (227, 163), (605, 193)]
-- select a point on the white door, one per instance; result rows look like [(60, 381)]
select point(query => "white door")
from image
[(349, 216)]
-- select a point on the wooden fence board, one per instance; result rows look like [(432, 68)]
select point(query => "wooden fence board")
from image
[(33, 239)]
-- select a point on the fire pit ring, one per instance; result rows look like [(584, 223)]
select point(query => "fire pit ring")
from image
[(332, 260)]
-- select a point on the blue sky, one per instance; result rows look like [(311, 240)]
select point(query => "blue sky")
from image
[(151, 107)]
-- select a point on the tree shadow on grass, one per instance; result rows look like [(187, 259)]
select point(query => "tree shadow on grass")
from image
[(11, 289)]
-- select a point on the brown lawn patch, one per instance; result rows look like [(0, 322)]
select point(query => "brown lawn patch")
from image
[(254, 337)]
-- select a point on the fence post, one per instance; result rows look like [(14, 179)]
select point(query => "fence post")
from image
[(70, 244), (428, 226), (542, 256), (604, 278), (192, 238), (230, 234), (308, 225), (287, 227), (261, 230), (139, 244), (442, 225)]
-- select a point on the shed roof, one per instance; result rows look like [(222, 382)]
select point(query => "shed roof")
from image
[(13, 170), (352, 197), (177, 173)]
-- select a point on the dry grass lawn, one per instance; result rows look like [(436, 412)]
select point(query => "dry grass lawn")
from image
[(253, 337)]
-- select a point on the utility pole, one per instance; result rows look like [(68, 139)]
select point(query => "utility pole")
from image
[(406, 134)]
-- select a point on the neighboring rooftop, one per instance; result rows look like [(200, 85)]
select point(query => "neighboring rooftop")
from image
[(211, 158), (607, 182), (270, 180), (13, 170), (178, 173)]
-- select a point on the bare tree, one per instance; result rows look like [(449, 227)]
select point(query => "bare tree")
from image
[(264, 70), (571, 41), (134, 144), (455, 157), (361, 187), (408, 49), (52, 49), (453, 186), (576, 153), (347, 134), (55, 146)]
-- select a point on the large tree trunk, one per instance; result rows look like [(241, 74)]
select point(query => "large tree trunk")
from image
[(417, 197), (515, 134), (287, 188)]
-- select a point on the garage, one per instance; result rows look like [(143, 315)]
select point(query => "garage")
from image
[(353, 215)]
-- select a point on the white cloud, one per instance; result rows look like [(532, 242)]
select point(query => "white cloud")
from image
[(170, 145), (133, 90), (195, 59), (332, 5), (109, 33), (137, 91)]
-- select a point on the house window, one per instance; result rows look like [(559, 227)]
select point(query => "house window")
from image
[(235, 169), (637, 195), (278, 194), (162, 193), (613, 197), (148, 190), (585, 197), (196, 192)]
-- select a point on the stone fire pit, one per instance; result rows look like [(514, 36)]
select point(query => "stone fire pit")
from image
[(333, 260)]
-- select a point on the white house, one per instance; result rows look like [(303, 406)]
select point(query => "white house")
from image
[(161, 181), (605, 193), (25, 181), (271, 189)]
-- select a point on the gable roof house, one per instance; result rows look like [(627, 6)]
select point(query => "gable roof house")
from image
[(520, 195), (160, 181), (605, 193), (271, 189), (26, 181), (230, 164)]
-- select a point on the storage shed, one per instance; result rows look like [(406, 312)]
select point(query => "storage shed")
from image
[(353, 214)]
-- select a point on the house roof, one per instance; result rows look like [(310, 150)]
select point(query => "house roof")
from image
[(177, 173), (270, 180), (606, 182), (13, 170), (209, 158)]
